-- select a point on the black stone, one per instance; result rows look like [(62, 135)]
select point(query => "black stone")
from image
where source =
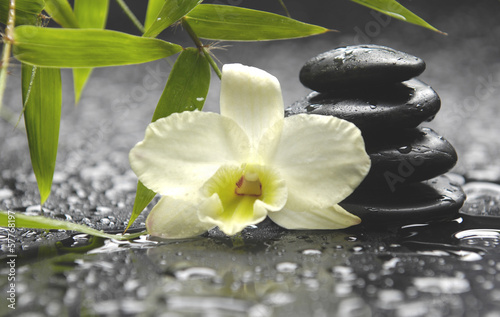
[(397, 106), (437, 199), (407, 156), (365, 65)]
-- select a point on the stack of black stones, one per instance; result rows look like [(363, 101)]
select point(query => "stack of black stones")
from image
[(375, 88)]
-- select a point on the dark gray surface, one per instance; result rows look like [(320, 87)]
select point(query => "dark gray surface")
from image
[(444, 269)]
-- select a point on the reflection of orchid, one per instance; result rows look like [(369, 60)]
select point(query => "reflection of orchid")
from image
[(234, 169)]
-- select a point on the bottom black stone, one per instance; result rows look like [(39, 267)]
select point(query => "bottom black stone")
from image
[(437, 199)]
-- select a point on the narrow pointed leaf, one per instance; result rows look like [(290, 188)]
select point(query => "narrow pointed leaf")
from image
[(53, 47), (187, 85), (40, 222), (154, 7), (42, 98), (186, 89), (90, 14), (80, 78), (222, 22), (170, 12), (395, 10), (27, 11), (61, 12)]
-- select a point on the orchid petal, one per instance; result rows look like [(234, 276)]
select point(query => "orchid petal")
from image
[(321, 158), (177, 218), (181, 152), (330, 218), (236, 211), (252, 98)]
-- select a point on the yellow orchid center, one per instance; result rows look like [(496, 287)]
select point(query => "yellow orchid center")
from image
[(249, 185), (245, 194)]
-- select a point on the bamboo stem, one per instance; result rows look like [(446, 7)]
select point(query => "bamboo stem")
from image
[(131, 15), (201, 47), (7, 47)]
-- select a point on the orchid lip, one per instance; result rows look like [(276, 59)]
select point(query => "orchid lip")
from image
[(248, 185)]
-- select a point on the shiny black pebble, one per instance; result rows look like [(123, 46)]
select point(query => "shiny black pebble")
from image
[(398, 106), (361, 65), (437, 199), (407, 156)]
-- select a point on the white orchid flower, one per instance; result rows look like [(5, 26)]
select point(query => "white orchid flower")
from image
[(234, 169)]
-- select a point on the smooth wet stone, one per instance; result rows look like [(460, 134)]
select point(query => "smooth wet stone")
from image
[(407, 156), (361, 65), (403, 105), (433, 200)]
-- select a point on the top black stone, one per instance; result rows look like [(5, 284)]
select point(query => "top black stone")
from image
[(352, 66)]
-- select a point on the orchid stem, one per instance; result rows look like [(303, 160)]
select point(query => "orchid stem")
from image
[(131, 15), (7, 40), (201, 47)]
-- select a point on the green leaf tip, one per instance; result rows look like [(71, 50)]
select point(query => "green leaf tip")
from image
[(395, 10), (42, 99), (229, 23)]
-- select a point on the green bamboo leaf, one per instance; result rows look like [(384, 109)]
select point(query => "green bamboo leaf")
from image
[(61, 12), (186, 89), (80, 78), (90, 14), (18, 220), (54, 47), (222, 22), (187, 85), (27, 11), (393, 9), (42, 98), (154, 7), (170, 12)]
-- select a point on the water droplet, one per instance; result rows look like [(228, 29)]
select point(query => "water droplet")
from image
[(443, 285), (195, 273), (405, 149), (311, 252), (373, 106), (286, 267), (311, 108), (5, 193)]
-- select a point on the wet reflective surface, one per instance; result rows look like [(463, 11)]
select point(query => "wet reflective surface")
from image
[(443, 269)]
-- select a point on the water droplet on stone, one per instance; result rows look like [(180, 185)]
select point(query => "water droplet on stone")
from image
[(405, 149)]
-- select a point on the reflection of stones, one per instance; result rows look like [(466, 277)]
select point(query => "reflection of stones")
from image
[(374, 88), (350, 66), (397, 106)]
